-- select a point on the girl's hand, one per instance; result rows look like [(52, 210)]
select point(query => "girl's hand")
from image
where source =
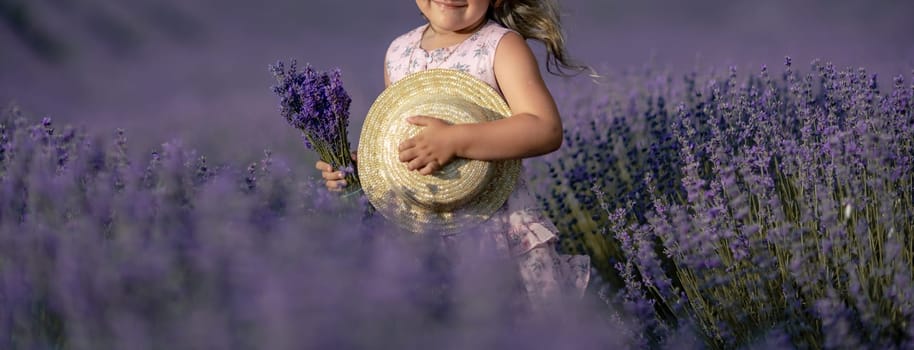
[(334, 179), (432, 148)]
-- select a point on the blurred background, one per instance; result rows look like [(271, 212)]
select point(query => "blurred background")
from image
[(196, 71)]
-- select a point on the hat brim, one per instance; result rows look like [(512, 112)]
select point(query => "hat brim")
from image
[(462, 194)]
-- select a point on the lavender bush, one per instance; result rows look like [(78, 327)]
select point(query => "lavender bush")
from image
[(99, 250), (774, 212)]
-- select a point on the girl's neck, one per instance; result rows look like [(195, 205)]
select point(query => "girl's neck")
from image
[(434, 38)]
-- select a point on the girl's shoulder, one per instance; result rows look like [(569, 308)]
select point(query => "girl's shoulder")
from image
[(493, 34), (495, 29)]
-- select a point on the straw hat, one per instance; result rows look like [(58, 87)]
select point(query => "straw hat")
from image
[(464, 192)]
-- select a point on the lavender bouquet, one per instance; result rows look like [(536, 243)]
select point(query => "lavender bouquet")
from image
[(316, 103)]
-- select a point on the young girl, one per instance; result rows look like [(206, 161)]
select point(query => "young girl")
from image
[(486, 38)]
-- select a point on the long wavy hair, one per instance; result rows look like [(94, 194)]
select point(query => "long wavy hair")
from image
[(538, 20)]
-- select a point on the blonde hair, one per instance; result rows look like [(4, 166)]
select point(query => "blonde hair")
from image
[(538, 20)]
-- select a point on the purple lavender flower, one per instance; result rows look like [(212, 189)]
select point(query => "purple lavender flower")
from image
[(317, 104)]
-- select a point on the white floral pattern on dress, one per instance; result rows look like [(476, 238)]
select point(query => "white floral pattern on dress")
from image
[(475, 55), (519, 227)]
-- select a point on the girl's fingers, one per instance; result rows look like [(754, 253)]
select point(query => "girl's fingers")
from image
[(429, 168), (332, 175), (420, 163), (335, 186), (408, 155), (416, 164), (323, 166), (333, 179), (406, 144)]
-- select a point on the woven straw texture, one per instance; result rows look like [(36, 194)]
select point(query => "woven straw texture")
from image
[(461, 194)]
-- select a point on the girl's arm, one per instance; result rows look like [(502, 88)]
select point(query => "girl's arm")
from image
[(533, 129)]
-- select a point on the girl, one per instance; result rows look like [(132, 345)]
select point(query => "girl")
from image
[(486, 38)]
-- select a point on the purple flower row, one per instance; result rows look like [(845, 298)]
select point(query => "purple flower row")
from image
[(103, 250), (755, 205)]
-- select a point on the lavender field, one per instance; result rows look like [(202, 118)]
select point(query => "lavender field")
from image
[(773, 206), (151, 196), (771, 210)]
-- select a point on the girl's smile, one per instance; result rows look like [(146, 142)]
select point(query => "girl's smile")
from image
[(450, 4)]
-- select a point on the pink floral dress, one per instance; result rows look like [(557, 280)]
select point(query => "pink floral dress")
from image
[(519, 227)]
